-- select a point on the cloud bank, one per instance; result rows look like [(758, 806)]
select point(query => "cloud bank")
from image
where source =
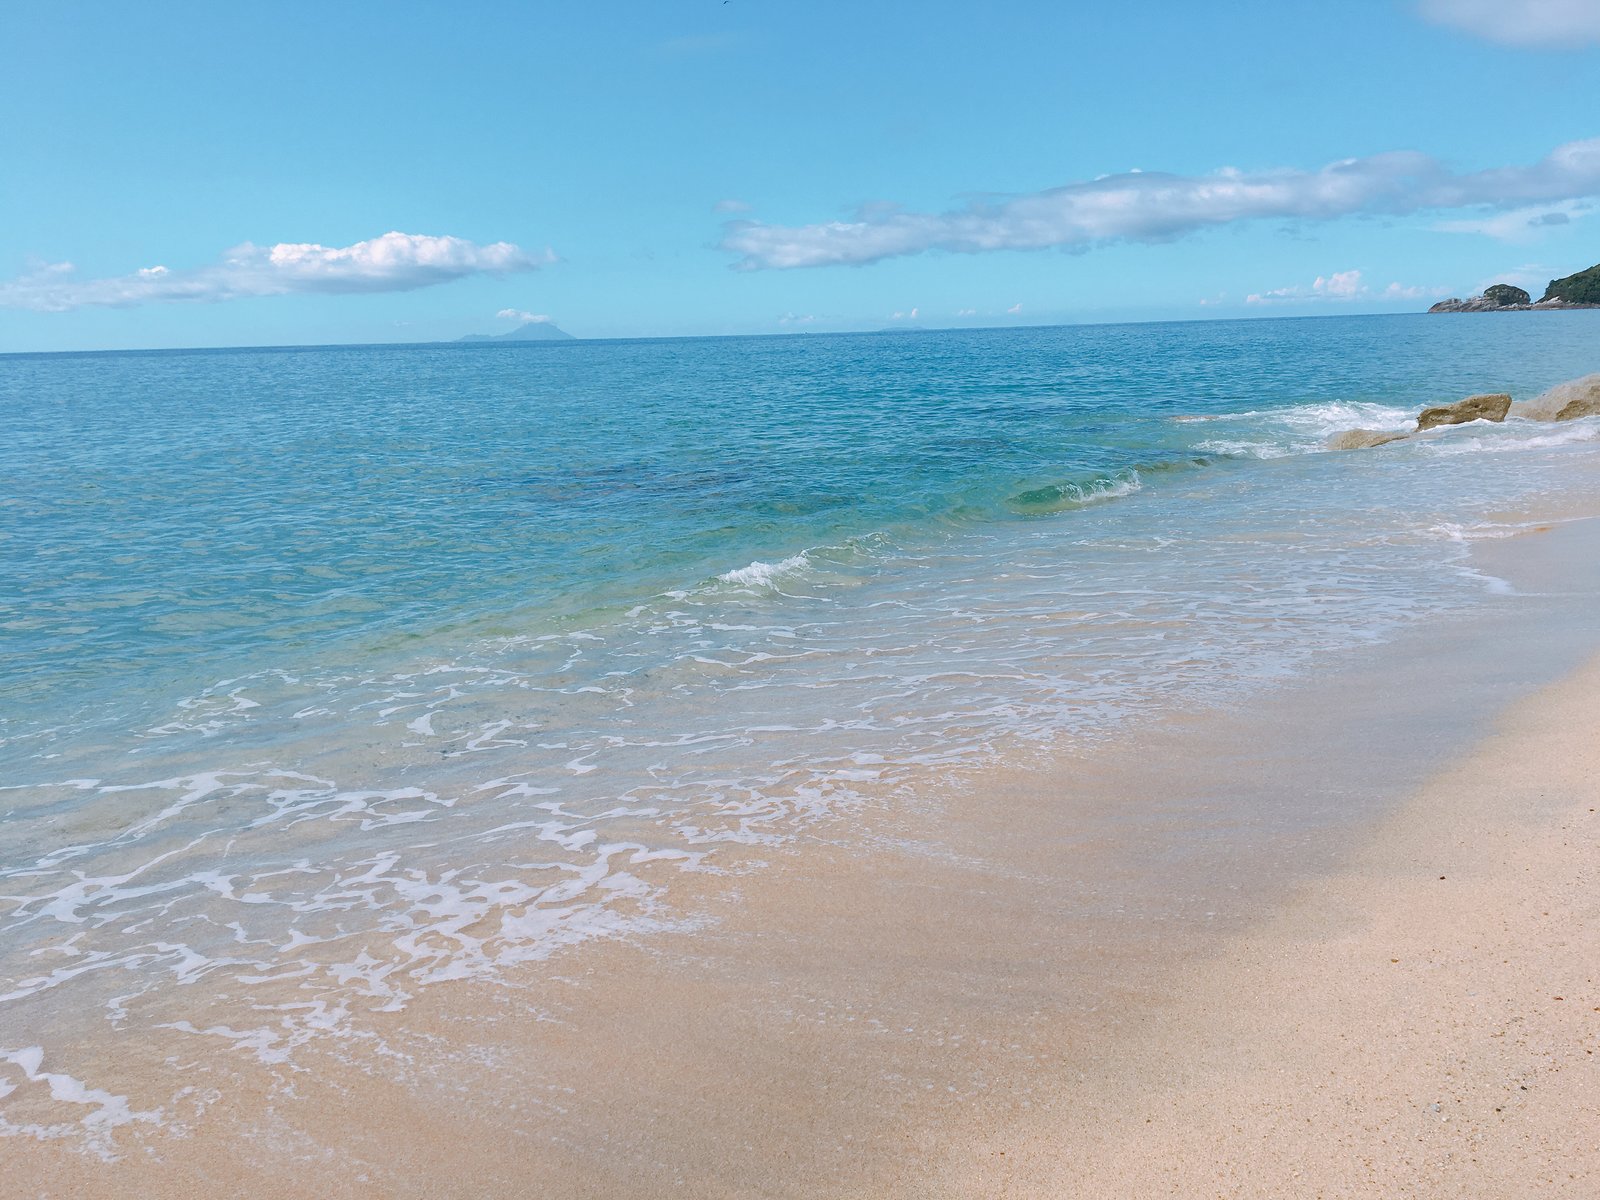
[(1567, 24), (1521, 224), (1340, 286), (1151, 206), (395, 262)]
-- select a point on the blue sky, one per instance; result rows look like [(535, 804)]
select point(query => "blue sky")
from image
[(182, 175)]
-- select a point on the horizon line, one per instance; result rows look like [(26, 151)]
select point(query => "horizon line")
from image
[(683, 337)]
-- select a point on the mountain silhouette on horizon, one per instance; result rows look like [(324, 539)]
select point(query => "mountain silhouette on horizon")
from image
[(528, 331)]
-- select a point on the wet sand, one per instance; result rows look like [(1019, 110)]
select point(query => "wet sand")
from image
[(1218, 959)]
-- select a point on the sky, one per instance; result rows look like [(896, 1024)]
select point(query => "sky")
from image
[(222, 175)]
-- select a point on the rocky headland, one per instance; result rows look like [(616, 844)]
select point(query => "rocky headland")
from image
[(1580, 290), (1564, 402)]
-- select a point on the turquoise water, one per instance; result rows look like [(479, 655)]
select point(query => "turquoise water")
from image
[(173, 514), (329, 674)]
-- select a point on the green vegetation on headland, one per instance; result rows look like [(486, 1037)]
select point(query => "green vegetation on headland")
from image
[(1503, 294), (1581, 290)]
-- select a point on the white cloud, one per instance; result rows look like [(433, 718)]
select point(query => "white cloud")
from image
[(1340, 286), (730, 206), (395, 262), (1410, 292), (1521, 224), (1567, 24), (517, 314), (1015, 309), (966, 312), (1149, 206), (905, 316), (796, 319)]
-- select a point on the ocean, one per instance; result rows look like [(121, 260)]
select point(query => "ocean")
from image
[(329, 675)]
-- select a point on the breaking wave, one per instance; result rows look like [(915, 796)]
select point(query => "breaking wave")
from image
[(1070, 494), (760, 575)]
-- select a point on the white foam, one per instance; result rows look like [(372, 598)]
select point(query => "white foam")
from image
[(1471, 533), (95, 1128), (1111, 488), (1059, 496), (1515, 437), (760, 574), (1231, 448), (1336, 415), (1329, 417), (1298, 429)]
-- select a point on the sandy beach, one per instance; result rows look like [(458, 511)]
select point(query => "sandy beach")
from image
[(1421, 1022), (1379, 981)]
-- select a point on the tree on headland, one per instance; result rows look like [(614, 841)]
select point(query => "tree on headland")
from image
[(1503, 294), (1582, 288)]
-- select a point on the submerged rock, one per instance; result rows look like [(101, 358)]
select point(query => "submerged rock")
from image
[(1490, 406), (1364, 439), (1565, 402)]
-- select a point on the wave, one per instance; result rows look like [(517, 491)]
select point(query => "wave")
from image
[(1514, 436), (1323, 419), (1070, 494), (1242, 448), (815, 564), (1324, 416), (763, 575), (1296, 429)]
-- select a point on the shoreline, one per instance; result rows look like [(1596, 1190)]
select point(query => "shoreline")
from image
[(991, 970)]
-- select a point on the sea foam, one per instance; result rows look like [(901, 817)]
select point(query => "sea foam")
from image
[(760, 575)]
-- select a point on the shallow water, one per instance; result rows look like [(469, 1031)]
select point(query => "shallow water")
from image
[(333, 674)]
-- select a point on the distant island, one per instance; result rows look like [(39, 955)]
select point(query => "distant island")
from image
[(1581, 290), (528, 331)]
